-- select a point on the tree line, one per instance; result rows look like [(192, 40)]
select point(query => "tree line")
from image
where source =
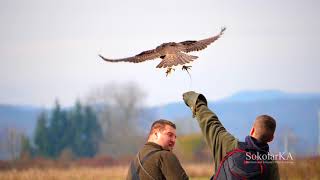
[(107, 124), (62, 130)]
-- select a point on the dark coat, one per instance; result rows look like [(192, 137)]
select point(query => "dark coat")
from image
[(162, 164)]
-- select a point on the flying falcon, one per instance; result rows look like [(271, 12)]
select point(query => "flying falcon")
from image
[(172, 54)]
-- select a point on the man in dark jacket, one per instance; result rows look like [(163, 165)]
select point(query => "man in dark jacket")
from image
[(222, 142), (156, 160)]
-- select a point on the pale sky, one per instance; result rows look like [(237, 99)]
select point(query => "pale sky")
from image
[(49, 49)]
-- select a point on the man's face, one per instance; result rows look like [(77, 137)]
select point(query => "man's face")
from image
[(167, 137)]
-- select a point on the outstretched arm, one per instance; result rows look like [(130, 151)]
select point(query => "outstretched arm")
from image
[(217, 137)]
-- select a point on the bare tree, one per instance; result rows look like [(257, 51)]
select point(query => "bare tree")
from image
[(288, 139), (11, 142), (120, 108)]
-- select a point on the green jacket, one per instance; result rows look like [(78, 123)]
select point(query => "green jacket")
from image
[(219, 140), (162, 164)]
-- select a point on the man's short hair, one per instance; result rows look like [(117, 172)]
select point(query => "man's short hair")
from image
[(160, 125), (265, 127)]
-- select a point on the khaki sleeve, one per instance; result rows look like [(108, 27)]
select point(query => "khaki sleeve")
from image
[(171, 167), (217, 137)]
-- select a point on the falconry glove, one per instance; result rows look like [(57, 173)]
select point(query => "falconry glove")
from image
[(191, 98)]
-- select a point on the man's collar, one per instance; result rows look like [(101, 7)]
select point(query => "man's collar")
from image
[(255, 144), (155, 145)]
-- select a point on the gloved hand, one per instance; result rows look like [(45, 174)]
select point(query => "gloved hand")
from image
[(190, 98)]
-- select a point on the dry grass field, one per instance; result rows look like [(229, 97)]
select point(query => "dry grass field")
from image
[(197, 172), (82, 173), (301, 169)]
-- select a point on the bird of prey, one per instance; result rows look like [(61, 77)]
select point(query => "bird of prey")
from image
[(172, 53)]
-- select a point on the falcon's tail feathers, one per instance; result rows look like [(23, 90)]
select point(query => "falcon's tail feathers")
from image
[(177, 59)]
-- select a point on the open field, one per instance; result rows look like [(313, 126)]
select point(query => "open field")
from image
[(195, 171), (301, 169)]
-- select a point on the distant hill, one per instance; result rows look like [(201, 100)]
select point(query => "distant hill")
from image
[(269, 95), (20, 117), (296, 115)]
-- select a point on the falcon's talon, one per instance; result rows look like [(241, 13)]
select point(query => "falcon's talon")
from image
[(169, 70), (186, 67)]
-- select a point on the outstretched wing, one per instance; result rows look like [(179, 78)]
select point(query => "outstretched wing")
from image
[(144, 56), (189, 46)]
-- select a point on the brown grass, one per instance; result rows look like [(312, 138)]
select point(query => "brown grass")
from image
[(198, 169), (82, 173), (308, 168), (196, 172)]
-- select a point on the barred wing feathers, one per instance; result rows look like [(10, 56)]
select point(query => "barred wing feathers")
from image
[(189, 46), (144, 56)]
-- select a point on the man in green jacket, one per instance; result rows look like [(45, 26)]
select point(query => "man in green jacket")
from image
[(156, 161), (222, 142)]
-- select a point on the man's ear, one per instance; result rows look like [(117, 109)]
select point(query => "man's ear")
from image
[(156, 134), (271, 139), (252, 131)]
